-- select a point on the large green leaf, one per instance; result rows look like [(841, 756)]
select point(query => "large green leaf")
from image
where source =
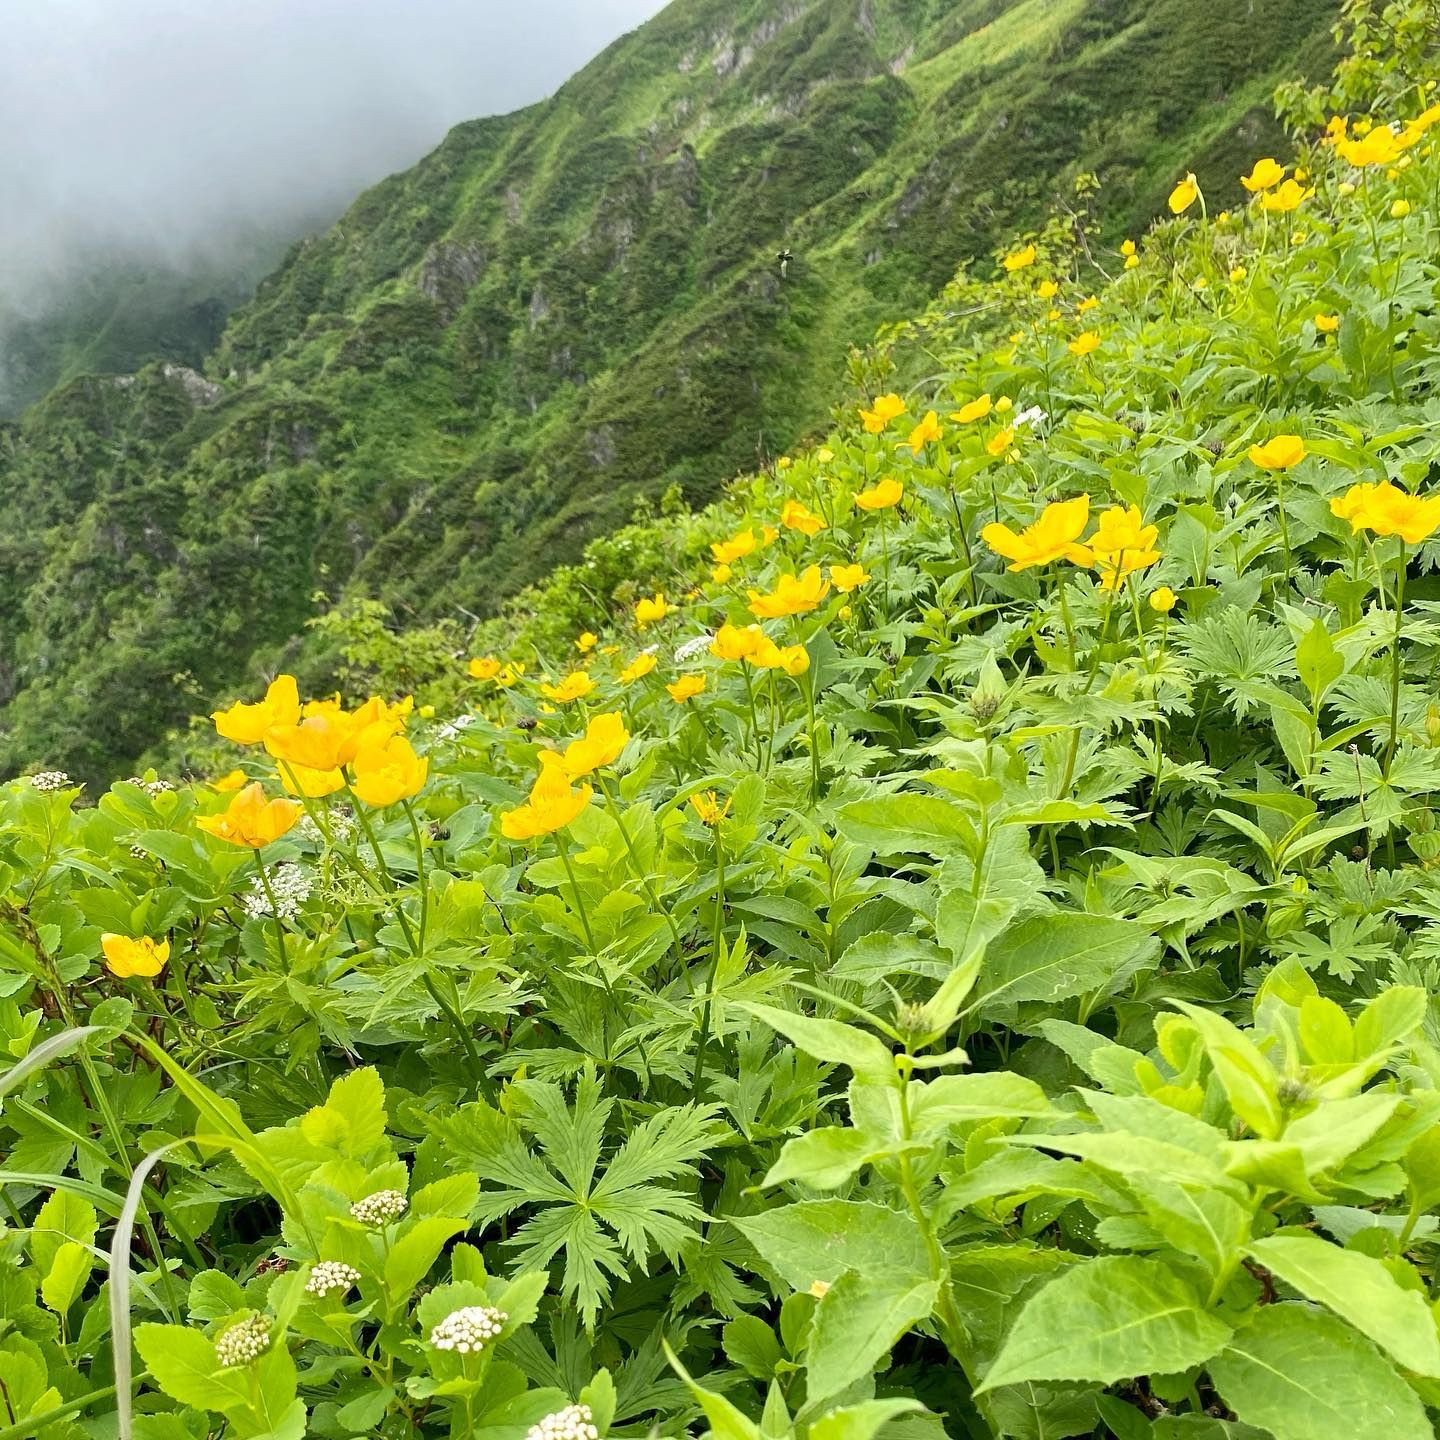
[(1110, 1319), (1051, 957), (818, 1239), (1302, 1374), (856, 1323)]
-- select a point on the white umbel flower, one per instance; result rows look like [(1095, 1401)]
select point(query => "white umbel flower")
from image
[(329, 1277), (688, 651), (244, 1341), (291, 884), (48, 780), (468, 1330), (571, 1423), (380, 1208)]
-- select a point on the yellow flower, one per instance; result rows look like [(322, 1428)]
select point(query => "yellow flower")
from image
[(251, 820), (886, 409), (824, 455), (387, 770), (1003, 405), (882, 496), (1327, 324), (1280, 452), (1052, 314), (1384, 509), (1047, 289), (1122, 543), (845, 612), (708, 807), (637, 669), (792, 659), (768, 535), (575, 686), (1399, 209), (552, 805), (1088, 304), (1162, 599), (302, 780), (976, 409), (794, 516), (737, 547), (1185, 194), (509, 675), (320, 742), (229, 783), (1263, 174), (720, 574), (587, 641), (926, 431), (687, 687), (784, 463), (1377, 146), (1287, 198), (126, 957), (1085, 343), (1000, 442), (247, 724), (604, 739), (1345, 187), (648, 611), (1051, 537), (1127, 249), (485, 667), (1131, 261), (846, 578), (793, 595), (1237, 274), (1019, 259), (731, 642)]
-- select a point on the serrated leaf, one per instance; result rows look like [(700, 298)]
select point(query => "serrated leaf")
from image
[(182, 1363), (1051, 957), (856, 1324), (818, 1239), (830, 1040)]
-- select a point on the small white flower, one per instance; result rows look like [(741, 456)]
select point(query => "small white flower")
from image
[(379, 1208), (454, 727), (243, 1342), (468, 1330), (330, 1276), (1033, 416), (48, 780), (691, 648), (571, 1423), (291, 884)]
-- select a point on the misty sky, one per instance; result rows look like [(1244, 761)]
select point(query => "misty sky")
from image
[(162, 128)]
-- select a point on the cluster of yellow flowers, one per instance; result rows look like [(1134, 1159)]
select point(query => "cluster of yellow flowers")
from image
[(555, 800), (1385, 510), (1121, 545)]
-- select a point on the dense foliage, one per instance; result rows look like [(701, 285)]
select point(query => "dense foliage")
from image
[(953, 960), (494, 355)]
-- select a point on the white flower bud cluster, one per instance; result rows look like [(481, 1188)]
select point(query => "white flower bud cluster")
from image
[(48, 780), (243, 1342), (292, 886), (468, 1330), (691, 648), (380, 1208), (571, 1423), (341, 824), (455, 727), (150, 787), (330, 1277)]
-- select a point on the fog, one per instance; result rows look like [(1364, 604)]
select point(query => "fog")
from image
[(170, 132)]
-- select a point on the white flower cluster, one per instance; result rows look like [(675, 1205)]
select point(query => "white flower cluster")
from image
[(50, 780), (571, 1423), (243, 1342), (1033, 416), (453, 728), (380, 1208), (341, 822), (150, 787), (291, 884), (468, 1330), (331, 1276), (691, 648)]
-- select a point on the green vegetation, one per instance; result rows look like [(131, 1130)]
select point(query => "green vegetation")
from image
[(565, 312), (952, 956)]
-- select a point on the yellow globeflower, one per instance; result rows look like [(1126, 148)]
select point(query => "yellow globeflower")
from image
[(737, 547), (313, 784), (1047, 289), (882, 496), (1378, 146), (484, 667), (709, 809), (733, 642), (387, 770), (1131, 261), (604, 739), (1162, 599), (1085, 343), (638, 668), (846, 578), (575, 686), (795, 516), (1327, 324), (886, 409), (1237, 274), (126, 956), (1000, 441), (1185, 194), (1399, 209), (1019, 259), (1384, 509), (247, 724), (1122, 544), (926, 431), (793, 595), (552, 805), (720, 574), (1287, 198), (586, 641), (976, 409), (1263, 174), (1088, 304), (230, 782), (687, 687), (792, 659), (1127, 248), (651, 609), (1052, 537), (509, 675), (1280, 452), (251, 820)]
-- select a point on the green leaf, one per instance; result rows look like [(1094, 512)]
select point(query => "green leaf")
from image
[(182, 1363), (1359, 1289), (824, 1158), (69, 1270), (909, 825), (1051, 957), (63, 1218), (957, 1099), (1301, 1374), (856, 1324), (831, 1040), (1110, 1319), (351, 1122), (751, 1344), (818, 1239), (1318, 662), (412, 1255), (862, 1421)]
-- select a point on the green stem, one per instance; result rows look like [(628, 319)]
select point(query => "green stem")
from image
[(419, 869), (717, 949), (575, 890), (363, 820), (274, 911), (1395, 666)]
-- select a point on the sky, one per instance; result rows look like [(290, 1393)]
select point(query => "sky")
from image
[(162, 130)]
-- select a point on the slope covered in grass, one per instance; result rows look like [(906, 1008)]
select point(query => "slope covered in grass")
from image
[(562, 312)]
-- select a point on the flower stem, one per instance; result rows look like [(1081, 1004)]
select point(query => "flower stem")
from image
[(1395, 666), (274, 910), (717, 949)]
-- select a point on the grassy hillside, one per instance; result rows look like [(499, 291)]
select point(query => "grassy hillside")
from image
[(560, 313), (959, 962)]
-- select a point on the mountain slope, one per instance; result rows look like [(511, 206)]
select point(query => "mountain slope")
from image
[(495, 355)]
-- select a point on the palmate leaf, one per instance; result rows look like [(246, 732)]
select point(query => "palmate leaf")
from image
[(605, 1216)]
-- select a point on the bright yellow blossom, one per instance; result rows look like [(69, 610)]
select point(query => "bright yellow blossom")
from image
[(1019, 259), (1052, 537), (1000, 441), (312, 784), (230, 782), (976, 409), (1237, 274), (1378, 146), (484, 667), (1280, 452), (587, 641), (604, 739), (737, 547), (1085, 343), (1288, 197), (846, 578), (509, 675), (1088, 304), (732, 642), (1263, 175), (792, 659), (793, 595), (127, 957), (687, 687), (926, 431), (882, 496), (638, 668), (552, 805), (1127, 248), (387, 770), (709, 809), (720, 574), (1162, 599), (247, 724), (1047, 289), (1399, 209), (251, 820), (1184, 195), (575, 686), (1122, 543), (1327, 324), (1384, 509), (886, 409), (650, 609), (795, 516)]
